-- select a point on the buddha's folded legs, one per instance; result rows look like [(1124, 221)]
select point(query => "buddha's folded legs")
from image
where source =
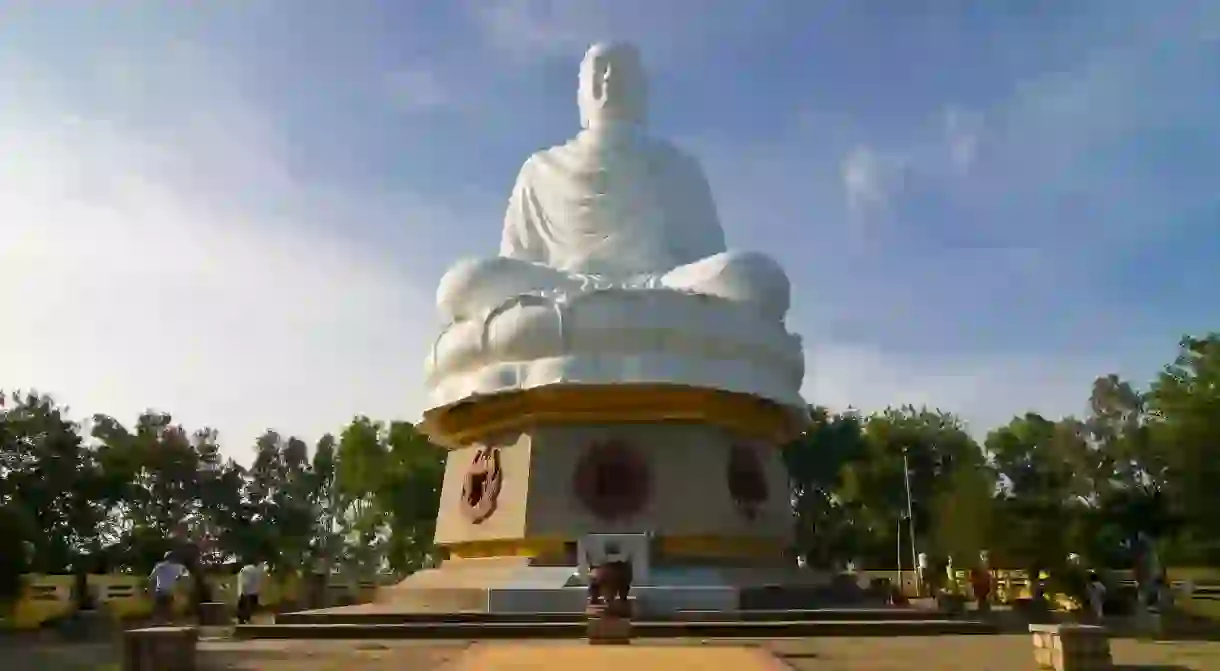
[(742, 277), (474, 286)]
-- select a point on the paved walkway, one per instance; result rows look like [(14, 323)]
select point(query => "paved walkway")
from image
[(977, 653), (637, 657), (930, 653)]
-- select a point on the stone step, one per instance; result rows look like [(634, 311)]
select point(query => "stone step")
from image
[(818, 614), (723, 628)]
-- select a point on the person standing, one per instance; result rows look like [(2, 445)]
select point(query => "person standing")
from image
[(249, 586), (980, 584), (1097, 596), (164, 578), (922, 577)]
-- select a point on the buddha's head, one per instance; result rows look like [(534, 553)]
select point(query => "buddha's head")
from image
[(613, 85)]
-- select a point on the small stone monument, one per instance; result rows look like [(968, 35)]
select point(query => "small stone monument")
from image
[(160, 649), (609, 609), (1071, 647), (214, 614)]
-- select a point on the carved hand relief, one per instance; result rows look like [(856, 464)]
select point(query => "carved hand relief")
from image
[(612, 480), (481, 487), (747, 480)]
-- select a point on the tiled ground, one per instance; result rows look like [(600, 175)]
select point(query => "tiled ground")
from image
[(978, 653), (948, 653)]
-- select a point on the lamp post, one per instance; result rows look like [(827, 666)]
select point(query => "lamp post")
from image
[(906, 477)]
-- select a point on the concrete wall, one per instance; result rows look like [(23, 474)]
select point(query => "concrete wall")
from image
[(690, 495), (45, 597)]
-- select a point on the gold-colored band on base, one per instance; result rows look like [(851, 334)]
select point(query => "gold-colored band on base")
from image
[(522, 547), (469, 421), (669, 547)]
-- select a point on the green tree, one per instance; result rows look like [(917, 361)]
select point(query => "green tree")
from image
[(326, 543), (162, 475), (389, 478), (231, 533), (55, 478), (1044, 499), (935, 444), (826, 530), (965, 514), (16, 552), (280, 491), (1184, 428), (410, 493), (1126, 470), (359, 473)]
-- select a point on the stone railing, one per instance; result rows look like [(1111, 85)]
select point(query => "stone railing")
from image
[(46, 597)]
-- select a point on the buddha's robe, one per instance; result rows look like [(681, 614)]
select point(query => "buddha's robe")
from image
[(612, 208)]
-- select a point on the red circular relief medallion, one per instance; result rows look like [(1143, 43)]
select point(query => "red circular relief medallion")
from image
[(612, 480), (747, 481), (481, 487)]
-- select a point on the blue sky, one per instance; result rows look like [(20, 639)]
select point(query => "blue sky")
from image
[(238, 211)]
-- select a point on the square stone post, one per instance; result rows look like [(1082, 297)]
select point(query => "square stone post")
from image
[(214, 614), (608, 626), (160, 649), (1071, 647)]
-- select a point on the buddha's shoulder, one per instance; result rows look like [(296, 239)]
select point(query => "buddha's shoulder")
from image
[(659, 150), (550, 156)]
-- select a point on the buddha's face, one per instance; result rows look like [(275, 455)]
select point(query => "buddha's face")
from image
[(613, 86)]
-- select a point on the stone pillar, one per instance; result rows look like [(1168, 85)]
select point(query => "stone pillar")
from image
[(1147, 622), (160, 649), (607, 627), (214, 614), (1071, 647)]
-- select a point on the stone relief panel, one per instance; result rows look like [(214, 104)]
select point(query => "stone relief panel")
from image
[(612, 480), (481, 486), (747, 480)]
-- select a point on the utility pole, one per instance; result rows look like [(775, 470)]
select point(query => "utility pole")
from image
[(898, 553), (906, 476)]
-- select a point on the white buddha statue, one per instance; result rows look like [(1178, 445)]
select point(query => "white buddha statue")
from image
[(613, 270), (612, 208)]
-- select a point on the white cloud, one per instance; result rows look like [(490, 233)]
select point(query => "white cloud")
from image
[(870, 179), (962, 130), (417, 88), (141, 271), (528, 28), (667, 33)]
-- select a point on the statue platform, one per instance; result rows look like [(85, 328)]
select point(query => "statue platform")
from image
[(514, 587), (573, 404)]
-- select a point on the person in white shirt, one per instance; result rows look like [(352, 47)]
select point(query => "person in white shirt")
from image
[(164, 578), (249, 586)]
